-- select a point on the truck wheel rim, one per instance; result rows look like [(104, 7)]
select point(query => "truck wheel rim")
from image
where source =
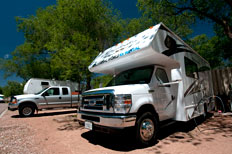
[(27, 111), (147, 129)]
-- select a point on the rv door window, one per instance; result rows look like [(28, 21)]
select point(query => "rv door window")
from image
[(190, 68), (161, 76)]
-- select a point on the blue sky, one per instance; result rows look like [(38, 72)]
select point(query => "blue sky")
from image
[(10, 38)]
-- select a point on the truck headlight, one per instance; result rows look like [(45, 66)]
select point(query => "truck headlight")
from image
[(122, 103), (13, 100)]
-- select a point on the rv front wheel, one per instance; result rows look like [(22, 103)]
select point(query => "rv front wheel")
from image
[(146, 129), (26, 110)]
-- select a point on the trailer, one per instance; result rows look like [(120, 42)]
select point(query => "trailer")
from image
[(35, 85)]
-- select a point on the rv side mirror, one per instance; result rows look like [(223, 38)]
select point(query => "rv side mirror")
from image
[(163, 85)]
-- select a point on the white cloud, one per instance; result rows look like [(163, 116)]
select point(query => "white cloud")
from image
[(6, 56)]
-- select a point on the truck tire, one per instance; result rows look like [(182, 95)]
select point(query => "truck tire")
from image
[(26, 110), (146, 129)]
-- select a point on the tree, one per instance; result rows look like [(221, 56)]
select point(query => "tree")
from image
[(62, 40), (154, 11), (186, 12), (216, 11), (208, 49), (27, 62), (1, 90), (101, 81), (13, 88)]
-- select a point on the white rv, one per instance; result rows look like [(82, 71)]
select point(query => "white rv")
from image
[(157, 77), (35, 85)]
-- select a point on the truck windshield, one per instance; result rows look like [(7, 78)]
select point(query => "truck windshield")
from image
[(40, 91), (140, 75)]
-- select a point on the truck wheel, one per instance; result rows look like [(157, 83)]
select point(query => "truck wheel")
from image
[(146, 129), (26, 110)]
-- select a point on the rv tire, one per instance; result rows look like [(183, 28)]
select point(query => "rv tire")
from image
[(146, 129)]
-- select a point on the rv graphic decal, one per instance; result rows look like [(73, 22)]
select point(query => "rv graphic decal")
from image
[(130, 45), (195, 87)]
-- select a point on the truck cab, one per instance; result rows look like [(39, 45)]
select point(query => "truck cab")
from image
[(51, 97)]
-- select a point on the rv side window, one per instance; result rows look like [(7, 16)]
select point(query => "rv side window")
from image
[(161, 75), (190, 68), (44, 83), (65, 91)]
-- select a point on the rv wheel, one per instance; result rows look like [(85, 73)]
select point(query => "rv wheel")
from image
[(26, 110), (146, 129), (205, 111)]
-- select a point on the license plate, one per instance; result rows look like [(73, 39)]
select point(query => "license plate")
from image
[(89, 125)]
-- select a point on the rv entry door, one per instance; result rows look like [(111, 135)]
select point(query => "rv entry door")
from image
[(163, 94)]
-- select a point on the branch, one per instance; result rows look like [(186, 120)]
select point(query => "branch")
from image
[(229, 2)]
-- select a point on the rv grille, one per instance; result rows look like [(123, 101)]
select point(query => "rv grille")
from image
[(98, 102)]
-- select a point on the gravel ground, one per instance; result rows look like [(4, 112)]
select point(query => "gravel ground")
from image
[(3, 107), (57, 131)]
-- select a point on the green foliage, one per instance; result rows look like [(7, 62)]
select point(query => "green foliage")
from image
[(27, 62), (101, 81), (208, 49), (1, 91), (62, 40), (155, 12), (13, 88), (179, 15)]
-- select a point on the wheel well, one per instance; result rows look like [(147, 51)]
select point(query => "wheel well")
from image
[(28, 103), (147, 108)]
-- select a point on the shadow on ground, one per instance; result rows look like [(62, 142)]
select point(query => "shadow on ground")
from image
[(47, 114), (193, 132)]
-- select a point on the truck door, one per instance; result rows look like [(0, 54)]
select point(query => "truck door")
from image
[(163, 94), (52, 97), (66, 97)]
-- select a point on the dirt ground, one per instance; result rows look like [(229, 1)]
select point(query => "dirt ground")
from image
[(57, 131)]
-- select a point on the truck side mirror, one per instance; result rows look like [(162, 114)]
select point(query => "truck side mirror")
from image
[(45, 94)]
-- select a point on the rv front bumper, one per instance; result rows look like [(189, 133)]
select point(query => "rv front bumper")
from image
[(107, 120)]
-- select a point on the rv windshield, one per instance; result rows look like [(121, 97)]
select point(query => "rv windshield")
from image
[(40, 91), (140, 75)]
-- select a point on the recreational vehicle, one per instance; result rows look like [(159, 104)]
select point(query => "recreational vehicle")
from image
[(35, 85), (157, 77)]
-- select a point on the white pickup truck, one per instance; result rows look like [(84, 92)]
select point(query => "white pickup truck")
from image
[(51, 97)]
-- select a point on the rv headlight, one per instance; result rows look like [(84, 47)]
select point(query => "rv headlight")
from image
[(122, 103)]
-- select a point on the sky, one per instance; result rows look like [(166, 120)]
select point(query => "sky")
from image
[(10, 38)]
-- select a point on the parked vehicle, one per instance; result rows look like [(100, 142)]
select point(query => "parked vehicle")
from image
[(157, 77), (35, 85), (2, 99), (51, 97)]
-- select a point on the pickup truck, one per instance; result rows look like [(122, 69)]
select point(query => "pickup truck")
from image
[(51, 97)]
